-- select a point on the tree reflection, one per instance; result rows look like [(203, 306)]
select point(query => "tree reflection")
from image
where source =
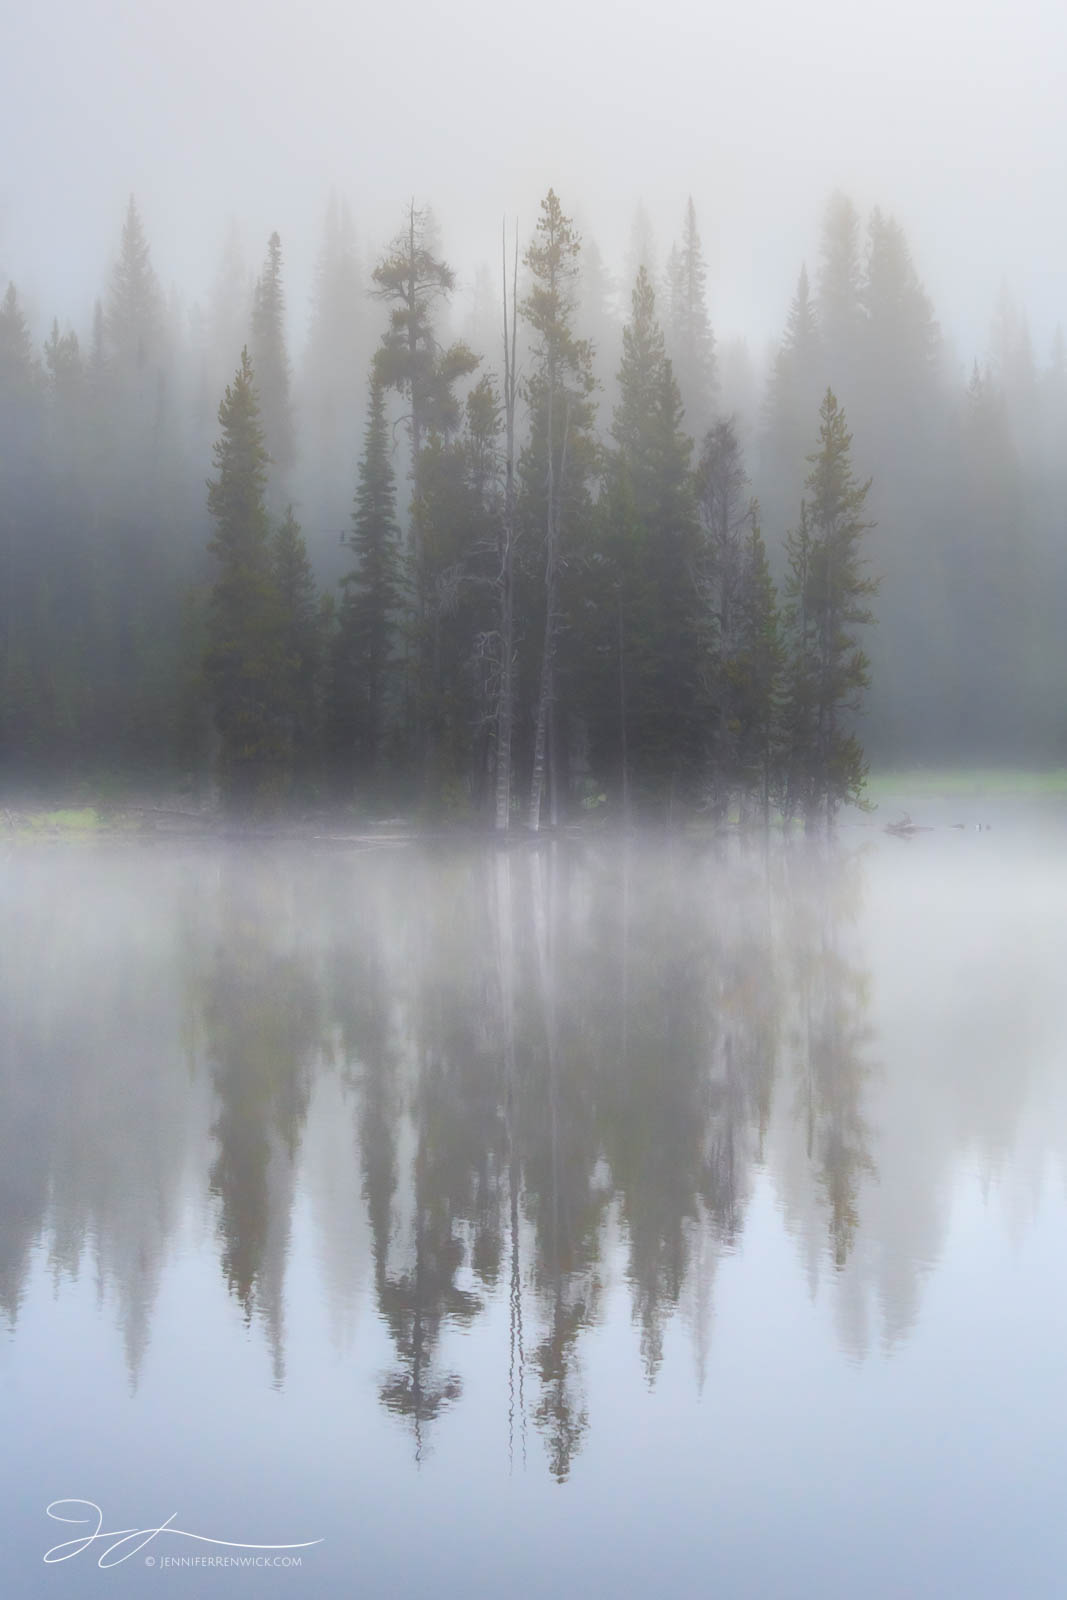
[(566, 1064), (831, 1035), (96, 1123), (448, 1115), (262, 1030), (559, 1149)]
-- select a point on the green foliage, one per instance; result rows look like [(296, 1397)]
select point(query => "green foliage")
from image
[(757, 674), (246, 663), (827, 591), (134, 319), (271, 362), (555, 471), (690, 337), (794, 386), (302, 644), (644, 657), (364, 649), (654, 640), (840, 280), (412, 280)]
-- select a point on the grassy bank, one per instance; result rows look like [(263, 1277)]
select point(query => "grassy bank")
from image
[(972, 783)]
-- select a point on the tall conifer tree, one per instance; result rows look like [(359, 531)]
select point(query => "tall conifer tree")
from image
[(829, 590), (691, 340), (365, 649), (270, 361), (558, 459), (413, 281), (245, 662), (649, 539), (728, 516), (301, 642)]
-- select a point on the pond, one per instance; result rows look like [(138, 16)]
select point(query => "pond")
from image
[(603, 1217)]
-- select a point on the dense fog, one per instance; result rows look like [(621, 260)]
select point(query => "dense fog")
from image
[(569, 1073), (747, 215)]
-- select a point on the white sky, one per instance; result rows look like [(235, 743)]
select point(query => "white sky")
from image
[(949, 114)]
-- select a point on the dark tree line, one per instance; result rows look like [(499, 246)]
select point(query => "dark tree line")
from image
[(647, 664), (549, 591)]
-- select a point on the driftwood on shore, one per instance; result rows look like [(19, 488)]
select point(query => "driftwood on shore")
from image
[(904, 828)]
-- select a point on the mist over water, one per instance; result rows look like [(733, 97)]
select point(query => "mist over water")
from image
[(723, 1184), (616, 433)]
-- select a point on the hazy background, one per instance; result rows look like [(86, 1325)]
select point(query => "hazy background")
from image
[(948, 115)]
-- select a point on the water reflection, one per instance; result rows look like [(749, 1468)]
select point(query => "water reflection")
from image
[(504, 1079)]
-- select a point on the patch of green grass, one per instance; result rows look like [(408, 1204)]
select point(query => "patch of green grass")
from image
[(85, 820), (973, 782)]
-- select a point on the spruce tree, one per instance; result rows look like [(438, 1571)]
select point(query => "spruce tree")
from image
[(302, 642), (135, 315), (143, 500), (829, 590), (460, 508), (648, 539), (270, 361), (557, 462), (413, 281), (839, 297), (365, 646), (727, 514), (23, 715), (246, 663), (799, 782), (793, 388), (640, 375), (758, 667), (691, 341)]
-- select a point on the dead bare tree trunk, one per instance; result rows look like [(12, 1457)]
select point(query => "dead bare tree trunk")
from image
[(546, 695), (505, 703), (624, 742)]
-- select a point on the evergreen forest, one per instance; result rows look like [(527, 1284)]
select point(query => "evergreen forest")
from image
[(543, 549)]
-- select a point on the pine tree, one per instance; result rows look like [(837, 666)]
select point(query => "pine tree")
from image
[(759, 664), (597, 315), (225, 325), (640, 376), (302, 642), (840, 307), (559, 457), (691, 340), (828, 589), (641, 249), (142, 499), (794, 383), (246, 663), (135, 316), (23, 716), (364, 659), (648, 540), (413, 280), (270, 361), (799, 781), (901, 342), (727, 516), (460, 508)]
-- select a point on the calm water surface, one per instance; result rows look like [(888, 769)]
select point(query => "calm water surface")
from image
[(599, 1219)]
